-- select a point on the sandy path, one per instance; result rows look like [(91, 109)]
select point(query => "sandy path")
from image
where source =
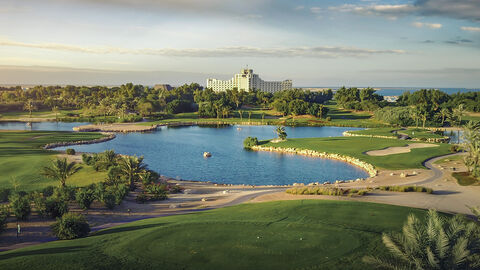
[(399, 149)]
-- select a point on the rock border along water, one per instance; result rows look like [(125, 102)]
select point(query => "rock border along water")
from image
[(369, 168), (108, 137)]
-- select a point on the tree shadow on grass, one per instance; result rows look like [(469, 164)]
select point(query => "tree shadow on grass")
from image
[(44, 251), (127, 229)]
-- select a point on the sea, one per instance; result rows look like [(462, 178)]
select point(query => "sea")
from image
[(397, 91)]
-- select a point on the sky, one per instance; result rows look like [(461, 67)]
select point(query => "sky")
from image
[(419, 43)]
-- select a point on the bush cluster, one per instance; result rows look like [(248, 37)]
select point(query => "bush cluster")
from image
[(249, 142), (71, 226), (406, 189), (326, 191), (70, 151)]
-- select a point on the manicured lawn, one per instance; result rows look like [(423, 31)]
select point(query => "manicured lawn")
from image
[(465, 179), (308, 234), (448, 159), (22, 159), (420, 133), (357, 146), (376, 132)]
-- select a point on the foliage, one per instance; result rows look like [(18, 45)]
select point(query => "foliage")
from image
[(157, 191), (4, 213), (39, 201), (281, 133), (472, 146), (85, 197), (71, 226), (332, 191), (109, 199), (70, 151), (60, 170), (4, 194), (56, 207), (20, 206), (149, 177), (141, 198), (438, 243), (249, 142), (358, 99), (132, 168), (398, 116), (406, 189)]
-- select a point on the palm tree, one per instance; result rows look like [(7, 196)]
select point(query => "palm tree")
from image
[(281, 133), (132, 168), (415, 114), (471, 145), (30, 107), (439, 243), (110, 158), (55, 111), (60, 170), (458, 113), (444, 112)]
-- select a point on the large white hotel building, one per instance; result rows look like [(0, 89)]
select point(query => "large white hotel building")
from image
[(247, 81)]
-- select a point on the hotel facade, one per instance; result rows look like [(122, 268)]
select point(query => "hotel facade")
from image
[(247, 81)]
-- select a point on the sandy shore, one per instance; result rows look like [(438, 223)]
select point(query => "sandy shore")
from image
[(118, 127), (399, 149)]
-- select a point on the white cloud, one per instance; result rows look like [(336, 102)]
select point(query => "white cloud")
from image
[(316, 10), (237, 51), (458, 9), (428, 25), (470, 28)]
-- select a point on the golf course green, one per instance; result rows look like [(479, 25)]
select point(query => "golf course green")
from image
[(357, 146), (22, 159), (302, 234)]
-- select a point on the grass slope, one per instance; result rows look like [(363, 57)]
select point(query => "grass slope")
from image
[(22, 158), (308, 234), (357, 146)]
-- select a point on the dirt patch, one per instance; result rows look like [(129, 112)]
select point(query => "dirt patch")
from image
[(399, 149)]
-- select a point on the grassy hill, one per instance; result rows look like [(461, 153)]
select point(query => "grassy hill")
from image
[(22, 158), (303, 234)]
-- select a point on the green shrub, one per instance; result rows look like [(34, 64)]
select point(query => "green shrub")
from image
[(109, 200), (454, 148), (157, 191), (331, 191), (4, 213), (4, 193), (20, 206), (55, 207), (71, 226), (70, 151), (249, 142), (141, 198), (328, 119), (85, 197), (48, 191), (174, 189), (406, 189), (65, 193), (87, 159), (119, 192), (40, 204)]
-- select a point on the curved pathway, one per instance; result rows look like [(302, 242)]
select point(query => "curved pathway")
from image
[(437, 173)]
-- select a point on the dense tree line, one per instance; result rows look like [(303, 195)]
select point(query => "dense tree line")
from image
[(359, 99), (129, 99), (429, 108)]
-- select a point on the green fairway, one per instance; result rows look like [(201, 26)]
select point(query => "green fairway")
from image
[(387, 132), (308, 234), (357, 146), (22, 159)]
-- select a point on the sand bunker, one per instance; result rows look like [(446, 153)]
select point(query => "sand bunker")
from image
[(399, 150)]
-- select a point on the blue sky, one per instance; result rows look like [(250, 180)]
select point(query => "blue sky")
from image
[(424, 43)]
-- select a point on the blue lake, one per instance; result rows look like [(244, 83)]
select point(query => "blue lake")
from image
[(178, 153)]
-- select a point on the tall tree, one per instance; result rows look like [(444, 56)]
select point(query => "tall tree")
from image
[(132, 168), (30, 107), (471, 144), (60, 170)]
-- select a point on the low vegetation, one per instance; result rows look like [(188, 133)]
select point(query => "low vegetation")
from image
[(406, 189), (249, 142), (465, 179), (71, 226), (332, 191)]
